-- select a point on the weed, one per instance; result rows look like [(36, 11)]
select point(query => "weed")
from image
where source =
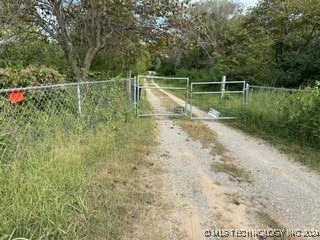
[(234, 198), (270, 223), (236, 172)]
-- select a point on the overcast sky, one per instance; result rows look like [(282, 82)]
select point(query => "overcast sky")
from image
[(249, 3)]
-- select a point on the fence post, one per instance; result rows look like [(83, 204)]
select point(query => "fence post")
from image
[(135, 95), (187, 97), (191, 100), (79, 99), (129, 86), (247, 95), (223, 86)]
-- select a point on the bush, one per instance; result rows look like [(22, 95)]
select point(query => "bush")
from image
[(30, 76)]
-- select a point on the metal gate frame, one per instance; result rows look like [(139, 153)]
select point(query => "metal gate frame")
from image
[(244, 92), (137, 94)]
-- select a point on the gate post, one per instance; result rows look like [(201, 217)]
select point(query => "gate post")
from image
[(187, 97), (191, 90), (223, 86), (135, 95), (247, 95)]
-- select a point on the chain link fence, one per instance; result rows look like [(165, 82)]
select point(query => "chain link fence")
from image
[(290, 113), (29, 115), (276, 103)]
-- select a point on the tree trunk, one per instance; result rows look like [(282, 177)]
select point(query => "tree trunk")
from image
[(91, 53), (68, 51), (63, 37)]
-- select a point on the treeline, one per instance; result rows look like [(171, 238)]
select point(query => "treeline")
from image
[(84, 39), (275, 43), (38, 57)]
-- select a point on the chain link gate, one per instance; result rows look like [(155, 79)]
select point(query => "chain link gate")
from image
[(219, 100), (147, 87)]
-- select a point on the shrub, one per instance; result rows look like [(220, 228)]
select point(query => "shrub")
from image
[(30, 76)]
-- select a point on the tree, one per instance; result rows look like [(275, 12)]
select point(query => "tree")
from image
[(34, 51), (294, 28), (210, 20), (90, 26), (246, 52), (10, 24)]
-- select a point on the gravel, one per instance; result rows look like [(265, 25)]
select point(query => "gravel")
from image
[(183, 159)]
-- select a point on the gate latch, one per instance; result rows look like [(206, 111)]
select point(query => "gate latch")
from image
[(179, 110)]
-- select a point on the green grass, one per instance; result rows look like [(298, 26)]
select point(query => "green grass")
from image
[(40, 192), (230, 105), (276, 117), (115, 191), (71, 178)]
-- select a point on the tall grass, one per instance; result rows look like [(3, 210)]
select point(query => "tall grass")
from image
[(40, 192), (288, 114), (65, 177), (230, 105), (289, 120)]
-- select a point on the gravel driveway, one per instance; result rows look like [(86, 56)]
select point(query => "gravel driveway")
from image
[(203, 201)]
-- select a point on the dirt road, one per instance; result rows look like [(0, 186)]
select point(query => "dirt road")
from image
[(194, 201)]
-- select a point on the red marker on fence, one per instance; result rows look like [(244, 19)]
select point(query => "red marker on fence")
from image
[(16, 97)]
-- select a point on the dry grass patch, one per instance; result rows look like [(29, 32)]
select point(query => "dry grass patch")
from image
[(219, 149), (198, 131), (235, 172), (234, 198), (271, 223)]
